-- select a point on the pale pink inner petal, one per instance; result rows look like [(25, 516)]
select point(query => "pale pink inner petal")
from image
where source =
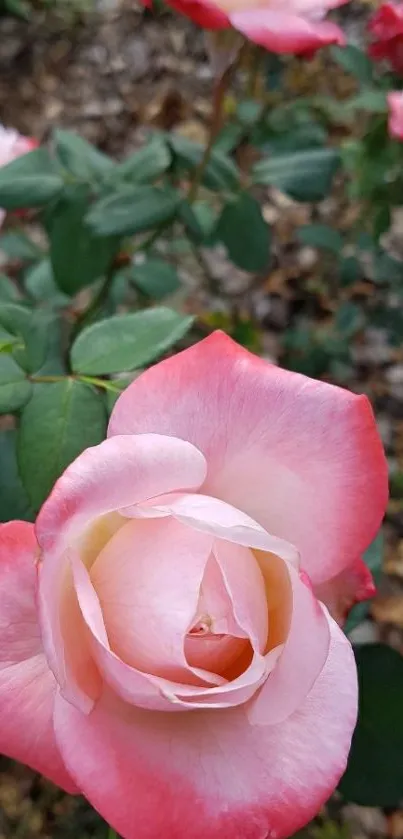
[(148, 579), (246, 589), (212, 515)]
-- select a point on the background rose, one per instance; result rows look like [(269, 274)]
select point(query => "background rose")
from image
[(199, 686), (294, 26), (395, 121), (386, 28)]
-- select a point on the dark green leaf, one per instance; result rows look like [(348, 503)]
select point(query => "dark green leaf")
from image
[(59, 421), (321, 236), (245, 234), (147, 164), (41, 286), (18, 246), (78, 257), (355, 61), (349, 270), (199, 220), (220, 173), (349, 319), (373, 559), (133, 210), (79, 157), (15, 389), (31, 180), (305, 175), (125, 342), (14, 503), (373, 101), (8, 290), (155, 278), (374, 776), (32, 328)]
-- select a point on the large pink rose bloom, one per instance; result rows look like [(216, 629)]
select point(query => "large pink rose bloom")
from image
[(12, 145), (166, 646), (281, 26)]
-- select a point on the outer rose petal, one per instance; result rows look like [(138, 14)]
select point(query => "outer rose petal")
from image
[(203, 14), (354, 584), (301, 457), (226, 777), (27, 687), (285, 32)]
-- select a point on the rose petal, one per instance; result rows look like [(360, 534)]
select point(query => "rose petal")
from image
[(121, 471), (301, 457), (27, 686), (226, 777)]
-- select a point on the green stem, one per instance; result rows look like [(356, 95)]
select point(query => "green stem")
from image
[(104, 383), (87, 380), (112, 834), (215, 126)]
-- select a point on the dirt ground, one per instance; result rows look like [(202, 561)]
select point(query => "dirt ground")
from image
[(111, 74)]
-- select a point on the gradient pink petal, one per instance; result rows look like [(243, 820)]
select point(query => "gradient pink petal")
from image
[(226, 777), (148, 580), (27, 687), (395, 122), (116, 473), (301, 457), (285, 32), (353, 585)]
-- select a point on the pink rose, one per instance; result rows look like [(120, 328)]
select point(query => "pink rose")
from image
[(163, 649), (395, 122), (386, 28), (12, 145), (281, 26)]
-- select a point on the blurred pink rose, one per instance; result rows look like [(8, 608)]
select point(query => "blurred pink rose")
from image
[(281, 26), (163, 649), (386, 28), (395, 121), (12, 145)]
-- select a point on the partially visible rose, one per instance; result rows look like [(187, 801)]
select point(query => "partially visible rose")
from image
[(395, 121), (386, 28), (165, 643), (281, 26), (12, 145)]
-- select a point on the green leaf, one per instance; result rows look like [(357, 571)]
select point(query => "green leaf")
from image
[(14, 503), (349, 319), (199, 219), (78, 257), (349, 270), (133, 210), (17, 245), (155, 278), (125, 342), (31, 180), (304, 175), (147, 164), (354, 61), (373, 559), (8, 290), (374, 776), (374, 101), (31, 328), (245, 234), (15, 389), (220, 173), (321, 236), (41, 286), (59, 421), (81, 158)]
